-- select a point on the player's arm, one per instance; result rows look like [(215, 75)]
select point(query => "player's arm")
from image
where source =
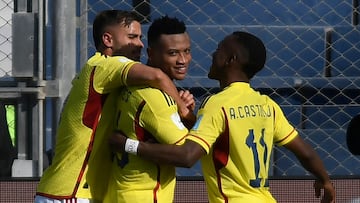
[(312, 162), (184, 155), (140, 74)]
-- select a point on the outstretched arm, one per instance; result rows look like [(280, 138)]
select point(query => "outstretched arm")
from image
[(312, 162), (184, 155), (140, 74)]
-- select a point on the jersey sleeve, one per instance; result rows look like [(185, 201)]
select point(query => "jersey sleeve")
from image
[(284, 132), (161, 119), (209, 125), (112, 73)]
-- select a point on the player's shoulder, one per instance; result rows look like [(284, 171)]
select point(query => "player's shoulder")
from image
[(99, 59), (121, 59), (212, 101), (270, 101), (149, 94), (156, 97), (116, 61)]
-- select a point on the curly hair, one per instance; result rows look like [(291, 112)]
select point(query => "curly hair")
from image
[(164, 25)]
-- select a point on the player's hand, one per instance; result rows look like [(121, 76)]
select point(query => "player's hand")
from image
[(186, 114), (117, 141), (329, 191), (188, 99), (187, 117)]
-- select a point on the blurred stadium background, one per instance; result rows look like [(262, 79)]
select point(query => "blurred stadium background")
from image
[(312, 71)]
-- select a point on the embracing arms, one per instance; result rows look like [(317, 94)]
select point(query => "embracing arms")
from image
[(140, 74), (184, 155)]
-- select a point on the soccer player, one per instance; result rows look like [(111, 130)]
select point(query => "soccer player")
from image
[(117, 38), (145, 113), (235, 132)]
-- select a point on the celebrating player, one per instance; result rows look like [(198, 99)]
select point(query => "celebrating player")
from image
[(235, 132), (117, 37), (145, 114)]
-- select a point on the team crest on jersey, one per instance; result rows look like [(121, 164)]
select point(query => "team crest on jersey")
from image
[(177, 121)]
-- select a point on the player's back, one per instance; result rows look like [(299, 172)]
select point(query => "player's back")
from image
[(241, 154), (241, 126)]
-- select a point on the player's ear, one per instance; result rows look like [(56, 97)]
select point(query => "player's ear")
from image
[(107, 39), (231, 59)]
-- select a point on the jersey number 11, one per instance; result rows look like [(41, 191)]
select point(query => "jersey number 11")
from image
[(250, 142)]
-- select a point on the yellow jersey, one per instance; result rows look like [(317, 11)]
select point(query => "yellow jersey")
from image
[(100, 160), (65, 177), (148, 115), (238, 127)]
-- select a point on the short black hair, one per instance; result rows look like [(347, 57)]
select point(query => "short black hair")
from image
[(108, 18), (164, 25), (256, 52)]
